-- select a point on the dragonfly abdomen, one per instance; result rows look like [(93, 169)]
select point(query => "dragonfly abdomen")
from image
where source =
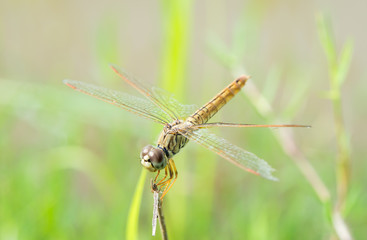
[(212, 107)]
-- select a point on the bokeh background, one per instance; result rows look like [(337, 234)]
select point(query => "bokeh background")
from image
[(69, 164)]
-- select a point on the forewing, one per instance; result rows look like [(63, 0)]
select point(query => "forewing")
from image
[(139, 106), (159, 97), (236, 155)]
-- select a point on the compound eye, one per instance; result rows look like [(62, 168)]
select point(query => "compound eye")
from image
[(157, 158), (145, 151)]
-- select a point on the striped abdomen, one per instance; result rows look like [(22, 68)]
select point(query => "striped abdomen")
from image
[(212, 107)]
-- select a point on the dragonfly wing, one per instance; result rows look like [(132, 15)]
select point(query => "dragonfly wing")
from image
[(139, 106), (182, 110), (246, 125), (236, 155), (159, 97)]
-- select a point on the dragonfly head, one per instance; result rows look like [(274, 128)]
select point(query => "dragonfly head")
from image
[(153, 158)]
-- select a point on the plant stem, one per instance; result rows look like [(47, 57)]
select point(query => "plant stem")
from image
[(338, 68), (162, 222), (343, 160)]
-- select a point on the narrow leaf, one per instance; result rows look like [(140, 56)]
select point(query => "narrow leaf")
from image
[(133, 217), (344, 62), (326, 39)]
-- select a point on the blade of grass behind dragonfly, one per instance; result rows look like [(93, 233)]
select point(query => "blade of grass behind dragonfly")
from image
[(133, 217), (177, 27)]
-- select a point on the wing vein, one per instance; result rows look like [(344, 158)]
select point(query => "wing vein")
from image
[(137, 105), (234, 154)]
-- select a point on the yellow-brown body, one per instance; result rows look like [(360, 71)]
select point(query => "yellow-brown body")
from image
[(212, 107)]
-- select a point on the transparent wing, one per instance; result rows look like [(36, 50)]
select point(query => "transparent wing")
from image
[(181, 110), (139, 106), (246, 125), (157, 96), (236, 155)]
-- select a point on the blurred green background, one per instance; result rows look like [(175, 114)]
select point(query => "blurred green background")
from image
[(69, 164)]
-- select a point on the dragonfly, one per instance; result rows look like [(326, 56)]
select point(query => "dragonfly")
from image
[(181, 124)]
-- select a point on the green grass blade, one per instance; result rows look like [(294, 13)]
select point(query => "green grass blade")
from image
[(177, 29), (327, 41), (133, 217), (344, 62), (338, 67), (177, 23)]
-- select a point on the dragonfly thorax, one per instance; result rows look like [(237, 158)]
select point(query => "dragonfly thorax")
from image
[(171, 140), (153, 158)]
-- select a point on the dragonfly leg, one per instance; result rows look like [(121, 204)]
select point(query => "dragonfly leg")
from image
[(165, 175), (155, 179), (173, 166), (166, 183), (168, 169), (173, 176)]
